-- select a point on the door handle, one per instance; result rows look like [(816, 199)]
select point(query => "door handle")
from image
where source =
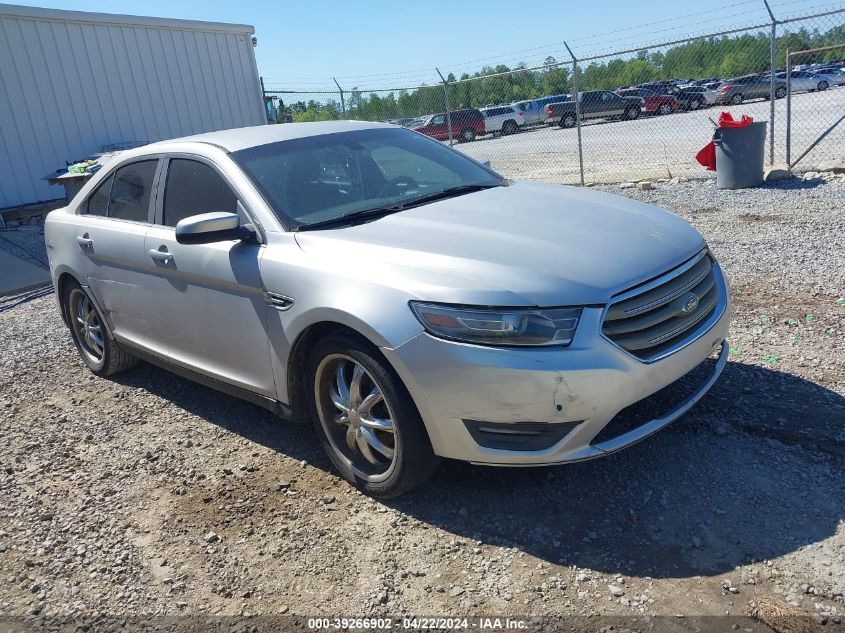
[(160, 256), (84, 241)]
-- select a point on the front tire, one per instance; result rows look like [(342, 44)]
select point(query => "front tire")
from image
[(737, 99), (509, 127), (665, 108), (695, 104), (823, 85), (632, 112), (780, 93), (98, 349), (368, 423)]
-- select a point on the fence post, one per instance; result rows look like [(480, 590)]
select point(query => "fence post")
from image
[(772, 62), (448, 107), (342, 100), (788, 109), (264, 99), (575, 96)]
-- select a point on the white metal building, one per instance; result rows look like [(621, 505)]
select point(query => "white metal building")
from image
[(73, 82)]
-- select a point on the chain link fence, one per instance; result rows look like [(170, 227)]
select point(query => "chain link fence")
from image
[(639, 113)]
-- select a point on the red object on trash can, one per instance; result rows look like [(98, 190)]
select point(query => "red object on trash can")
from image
[(707, 155), (726, 120)]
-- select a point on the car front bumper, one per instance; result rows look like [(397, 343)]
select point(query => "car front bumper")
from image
[(583, 386)]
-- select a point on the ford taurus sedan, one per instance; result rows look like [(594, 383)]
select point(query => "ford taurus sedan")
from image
[(410, 301)]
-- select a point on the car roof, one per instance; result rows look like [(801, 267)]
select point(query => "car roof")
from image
[(240, 138)]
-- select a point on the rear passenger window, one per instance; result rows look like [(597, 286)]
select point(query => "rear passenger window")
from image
[(193, 188), (98, 203), (130, 192)]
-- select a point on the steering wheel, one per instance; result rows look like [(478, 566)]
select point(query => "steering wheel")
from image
[(393, 185)]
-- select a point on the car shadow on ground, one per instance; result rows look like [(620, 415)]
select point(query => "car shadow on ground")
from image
[(753, 472)]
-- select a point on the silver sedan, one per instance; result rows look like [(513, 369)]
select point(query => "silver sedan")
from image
[(410, 301), (804, 81)]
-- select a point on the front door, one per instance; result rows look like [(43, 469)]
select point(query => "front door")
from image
[(209, 297)]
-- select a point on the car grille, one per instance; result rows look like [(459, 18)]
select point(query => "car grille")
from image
[(652, 319)]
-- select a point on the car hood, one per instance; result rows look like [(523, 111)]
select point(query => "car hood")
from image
[(524, 244)]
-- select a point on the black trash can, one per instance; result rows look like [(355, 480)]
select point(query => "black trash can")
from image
[(739, 155)]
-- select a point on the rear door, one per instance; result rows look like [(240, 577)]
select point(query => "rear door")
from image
[(760, 86), (591, 105), (111, 229), (209, 298), (612, 104)]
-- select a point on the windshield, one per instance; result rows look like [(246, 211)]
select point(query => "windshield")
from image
[(320, 178)]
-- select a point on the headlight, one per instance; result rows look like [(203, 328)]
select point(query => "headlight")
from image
[(491, 326)]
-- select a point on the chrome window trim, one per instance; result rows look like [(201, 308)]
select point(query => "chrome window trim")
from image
[(82, 207)]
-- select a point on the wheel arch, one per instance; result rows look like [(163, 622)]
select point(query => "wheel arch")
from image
[(64, 276), (62, 280), (298, 356)]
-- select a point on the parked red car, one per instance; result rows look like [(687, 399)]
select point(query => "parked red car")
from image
[(654, 103), (466, 125)]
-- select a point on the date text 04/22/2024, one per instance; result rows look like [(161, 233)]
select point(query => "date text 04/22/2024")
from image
[(418, 623)]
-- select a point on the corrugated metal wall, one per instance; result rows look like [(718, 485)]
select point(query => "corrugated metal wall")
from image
[(72, 82)]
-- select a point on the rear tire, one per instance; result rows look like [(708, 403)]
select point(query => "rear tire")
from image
[(99, 351), (737, 99), (509, 127), (467, 135), (371, 429), (780, 93), (631, 113), (823, 85), (567, 120), (665, 108), (695, 104)]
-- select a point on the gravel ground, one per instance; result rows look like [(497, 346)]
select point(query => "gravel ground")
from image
[(150, 495)]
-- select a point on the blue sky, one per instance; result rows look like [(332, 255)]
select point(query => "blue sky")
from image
[(382, 43)]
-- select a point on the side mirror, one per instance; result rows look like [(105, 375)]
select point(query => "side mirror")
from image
[(486, 163), (205, 228)]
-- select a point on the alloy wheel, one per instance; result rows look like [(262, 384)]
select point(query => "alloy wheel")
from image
[(87, 327), (356, 417)]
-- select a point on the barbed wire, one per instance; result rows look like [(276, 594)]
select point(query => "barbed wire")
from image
[(278, 86), (386, 80)]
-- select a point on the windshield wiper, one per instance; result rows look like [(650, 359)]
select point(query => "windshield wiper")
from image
[(364, 215)]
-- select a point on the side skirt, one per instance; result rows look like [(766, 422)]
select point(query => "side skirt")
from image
[(279, 408)]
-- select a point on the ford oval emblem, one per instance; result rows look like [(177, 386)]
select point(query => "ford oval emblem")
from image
[(690, 303)]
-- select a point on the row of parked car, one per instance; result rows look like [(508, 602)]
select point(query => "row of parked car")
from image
[(655, 98)]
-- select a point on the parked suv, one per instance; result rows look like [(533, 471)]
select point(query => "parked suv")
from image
[(410, 302), (466, 125), (502, 120), (737, 90), (594, 105)]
